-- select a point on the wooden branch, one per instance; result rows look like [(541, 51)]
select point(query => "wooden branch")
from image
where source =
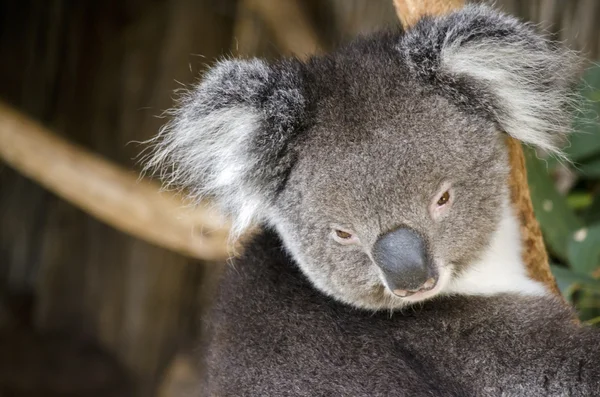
[(289, 24), (534, 251), (109, 193), (410, 11)]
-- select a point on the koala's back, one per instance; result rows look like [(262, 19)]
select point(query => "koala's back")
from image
[(272, 334)]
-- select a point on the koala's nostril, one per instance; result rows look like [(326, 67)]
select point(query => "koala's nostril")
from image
[(402, 257)]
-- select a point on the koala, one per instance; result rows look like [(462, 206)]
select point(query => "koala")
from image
[(388, 261), (271, 333)]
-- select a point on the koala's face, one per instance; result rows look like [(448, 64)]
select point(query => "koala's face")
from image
[(387, 206), (382, 166)]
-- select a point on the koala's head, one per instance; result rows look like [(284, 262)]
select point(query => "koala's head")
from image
[(382, 166)]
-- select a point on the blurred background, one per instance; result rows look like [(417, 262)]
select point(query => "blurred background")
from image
[(87, 310)]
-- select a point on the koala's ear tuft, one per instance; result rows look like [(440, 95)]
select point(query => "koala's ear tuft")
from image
[(230, 135), (496, 63)]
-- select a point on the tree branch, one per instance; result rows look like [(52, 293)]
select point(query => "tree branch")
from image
[(109, 193)]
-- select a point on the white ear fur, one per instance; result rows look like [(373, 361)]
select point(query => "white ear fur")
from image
[(501, 65), (530, 84), (204, 149)]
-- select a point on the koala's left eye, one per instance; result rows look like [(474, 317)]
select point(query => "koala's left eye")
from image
[(442, 201), (344, 237)]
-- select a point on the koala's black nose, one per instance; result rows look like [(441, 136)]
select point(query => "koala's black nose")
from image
[(402, 256)]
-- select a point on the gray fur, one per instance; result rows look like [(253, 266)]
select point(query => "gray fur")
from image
[(366, 139), (498, 64), (272, 334), (229, 134)]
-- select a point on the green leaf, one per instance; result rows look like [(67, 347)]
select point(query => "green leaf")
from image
[(590, 169), (580, 289), (569, 277), (592, 213), (566, 286), (588, 305), (593, 321), (557, 221), (584, 249), (579, 200), (585, 142)]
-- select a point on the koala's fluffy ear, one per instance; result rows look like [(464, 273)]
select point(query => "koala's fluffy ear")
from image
[(498, 64), (229, 136)]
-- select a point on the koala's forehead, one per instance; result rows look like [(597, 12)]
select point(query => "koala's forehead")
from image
[(391, 136)]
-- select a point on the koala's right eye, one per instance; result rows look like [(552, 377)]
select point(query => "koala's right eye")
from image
[(344, 237), (444, 199)]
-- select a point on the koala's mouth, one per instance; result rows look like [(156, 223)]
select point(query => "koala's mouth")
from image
[(427, 293), (434, 286), (429, 285)]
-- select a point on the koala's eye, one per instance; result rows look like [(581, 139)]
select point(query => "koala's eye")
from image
[(440, 204), (344, 237), (444, 199)]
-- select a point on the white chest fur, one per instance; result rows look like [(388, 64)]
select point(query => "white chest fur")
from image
[(501, 269)]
